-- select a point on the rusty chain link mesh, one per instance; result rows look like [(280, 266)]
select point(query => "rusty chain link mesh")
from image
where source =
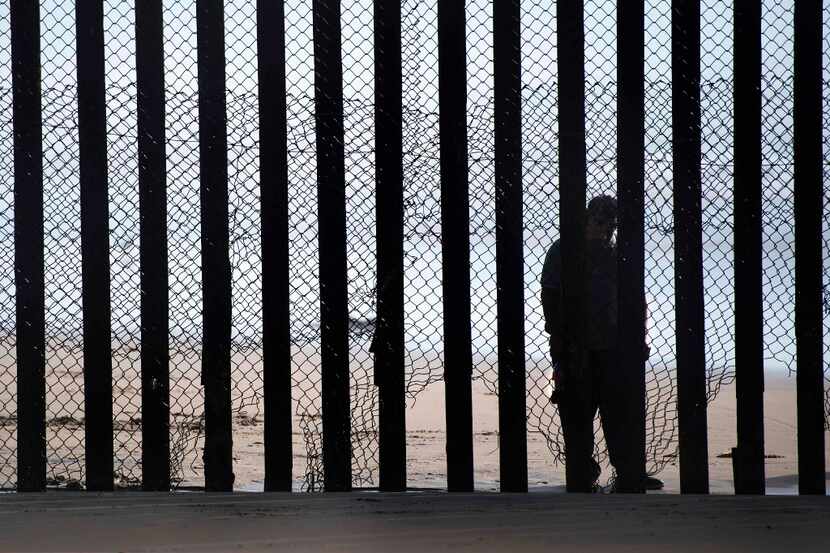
[(424, 332)]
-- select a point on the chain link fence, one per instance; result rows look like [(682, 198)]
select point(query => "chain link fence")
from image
[(423, 301), (8, 339)]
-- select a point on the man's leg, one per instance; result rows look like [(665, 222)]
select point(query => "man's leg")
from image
[(614, 407), (576, 412)]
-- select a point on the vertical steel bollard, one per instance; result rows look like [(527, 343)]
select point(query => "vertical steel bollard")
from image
[(510, 246), (152, 197), (216, 269), (688, 256), (28, 246), (807, 111), (748, 457), (331, 218), (276, 322), (572, 183), (631, 232), (95, 254), (389, 341), (455, 243)]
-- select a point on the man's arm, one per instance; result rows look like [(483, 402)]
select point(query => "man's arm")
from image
[(552, 307)]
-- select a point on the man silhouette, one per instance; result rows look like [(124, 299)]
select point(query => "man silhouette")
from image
[(600, 385)]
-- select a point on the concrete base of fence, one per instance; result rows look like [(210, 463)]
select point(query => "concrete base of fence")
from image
[(419, 521)]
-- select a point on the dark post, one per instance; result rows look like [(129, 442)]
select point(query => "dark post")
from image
[(510, 246), (216, 268), (331, 218), (92, 134), (808, 233), (688, 252), (152, 182), (28, 246), (276, 323), (572, 184), (455, 243), (631, 232), (748, 457), (389, 345)]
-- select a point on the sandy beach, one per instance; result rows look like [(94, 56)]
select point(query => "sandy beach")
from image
[(426, 456)]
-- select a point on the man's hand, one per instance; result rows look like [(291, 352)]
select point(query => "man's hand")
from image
[(556, 384)]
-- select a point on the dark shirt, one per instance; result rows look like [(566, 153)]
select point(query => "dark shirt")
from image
[(601, 264), (552, 270)]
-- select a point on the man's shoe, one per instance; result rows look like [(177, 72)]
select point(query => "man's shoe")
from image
[(652, 483), (648, 483)]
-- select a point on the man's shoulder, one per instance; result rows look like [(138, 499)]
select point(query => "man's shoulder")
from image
[(551, 269), (554, 252), (555, 247)]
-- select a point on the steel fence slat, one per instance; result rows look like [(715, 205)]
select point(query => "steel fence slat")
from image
[(95, 251), (276, 318), (216, 269), (28, 242), (510, 318), (331, 220), (455, 244), (152, 176), (748, 457), (389, 342), (631, 324), (570, 35), (808, 159), (688, 256)]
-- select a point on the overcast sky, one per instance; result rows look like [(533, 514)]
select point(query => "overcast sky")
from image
[(420, 61)]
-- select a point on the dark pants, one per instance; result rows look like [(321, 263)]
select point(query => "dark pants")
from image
[(599, 386)]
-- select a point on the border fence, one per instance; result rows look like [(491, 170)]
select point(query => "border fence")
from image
[(210, 208)]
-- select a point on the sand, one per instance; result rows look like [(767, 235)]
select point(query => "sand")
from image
[(427, 458), (425, 437)]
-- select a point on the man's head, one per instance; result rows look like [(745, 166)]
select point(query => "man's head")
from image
[(601, 218)]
